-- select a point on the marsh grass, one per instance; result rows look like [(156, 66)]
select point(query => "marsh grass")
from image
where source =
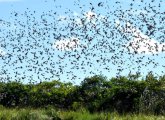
[(107, 116), (82, 114)]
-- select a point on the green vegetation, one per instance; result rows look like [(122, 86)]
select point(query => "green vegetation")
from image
[(96, 98), (52, 114)]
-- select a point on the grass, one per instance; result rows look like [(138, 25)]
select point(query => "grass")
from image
[(52, 114), (70, 115)]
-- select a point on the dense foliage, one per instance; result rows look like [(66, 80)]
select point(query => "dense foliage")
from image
[(97, 93)]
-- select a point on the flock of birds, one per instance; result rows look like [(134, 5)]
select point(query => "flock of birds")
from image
[(42, 47)]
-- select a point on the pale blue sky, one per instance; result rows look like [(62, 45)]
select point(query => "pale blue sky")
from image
[(13, 14)]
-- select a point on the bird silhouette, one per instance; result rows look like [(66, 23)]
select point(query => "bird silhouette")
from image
[(99, 38)]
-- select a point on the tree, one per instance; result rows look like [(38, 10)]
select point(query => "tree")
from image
[(15, 94)]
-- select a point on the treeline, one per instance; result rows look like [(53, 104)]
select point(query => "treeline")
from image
[(97, 93)]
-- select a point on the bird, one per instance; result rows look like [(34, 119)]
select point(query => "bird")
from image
[(50, 45)]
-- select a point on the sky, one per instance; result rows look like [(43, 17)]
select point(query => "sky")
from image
[(54, 39)]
